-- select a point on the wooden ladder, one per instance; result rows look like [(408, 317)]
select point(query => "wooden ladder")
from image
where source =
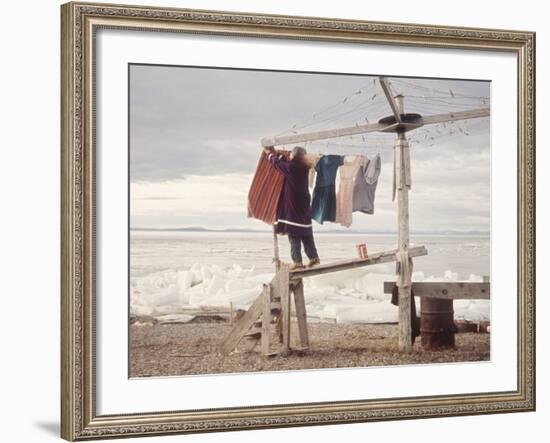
[(271, 309)]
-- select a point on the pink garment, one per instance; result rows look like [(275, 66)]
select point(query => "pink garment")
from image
[(344, 196)]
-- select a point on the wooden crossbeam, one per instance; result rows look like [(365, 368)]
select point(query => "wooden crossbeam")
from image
[(447, 290), (393, 104), (372, 127), (454, 116), (323, 135), (374, 259)]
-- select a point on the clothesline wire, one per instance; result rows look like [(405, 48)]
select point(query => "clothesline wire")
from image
[(465, 97), (436, 105), (382, 103), (425, 88), (336, 117), (419, 138), (369, 106), (425, 109), (360, 112), (442, 102), (367, 88), (363, 109), (431, 109)]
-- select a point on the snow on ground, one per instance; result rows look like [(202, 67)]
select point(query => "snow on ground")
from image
[(353, 296)]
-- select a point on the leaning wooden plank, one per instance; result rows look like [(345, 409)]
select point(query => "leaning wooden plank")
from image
[(250, 344), (447, 290), (266, 320), (301, 314), (242, 326), (374, 259)]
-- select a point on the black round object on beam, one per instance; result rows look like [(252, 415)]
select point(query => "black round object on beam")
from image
[(409, 121), (405, 118)]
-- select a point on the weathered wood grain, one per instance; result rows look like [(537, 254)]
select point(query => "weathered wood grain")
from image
[(448, 290)]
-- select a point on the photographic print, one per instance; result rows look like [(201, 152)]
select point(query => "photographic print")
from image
[(283, 220), (254, 200)]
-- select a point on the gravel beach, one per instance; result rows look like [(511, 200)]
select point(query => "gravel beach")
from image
[(193, 348)]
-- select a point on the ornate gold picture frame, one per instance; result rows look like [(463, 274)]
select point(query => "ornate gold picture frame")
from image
[(80, 23)]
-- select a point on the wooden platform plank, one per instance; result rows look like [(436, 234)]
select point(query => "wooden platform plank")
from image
[(374, 259), (447, 290)]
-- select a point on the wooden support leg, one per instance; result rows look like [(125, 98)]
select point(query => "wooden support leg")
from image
[(404, 284), (405, 326), (266, 320), (403, 180), (301, 314), (283, 290), (276, 259), (279, 327)]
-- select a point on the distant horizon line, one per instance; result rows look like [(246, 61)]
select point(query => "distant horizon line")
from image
[(330, 231)]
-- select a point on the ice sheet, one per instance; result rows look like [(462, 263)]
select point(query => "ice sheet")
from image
[(354, 296)]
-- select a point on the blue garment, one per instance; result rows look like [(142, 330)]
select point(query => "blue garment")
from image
[(323, 207)]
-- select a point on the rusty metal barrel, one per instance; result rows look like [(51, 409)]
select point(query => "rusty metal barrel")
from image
[(437, 329)]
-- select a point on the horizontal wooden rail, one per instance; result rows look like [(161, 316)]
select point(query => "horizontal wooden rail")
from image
[(373, 127), (373, 259), (449, 291)]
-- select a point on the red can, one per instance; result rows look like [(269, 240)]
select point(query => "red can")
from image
[(362, 250)]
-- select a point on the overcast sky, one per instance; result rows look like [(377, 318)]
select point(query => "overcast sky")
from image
[(195, 141)]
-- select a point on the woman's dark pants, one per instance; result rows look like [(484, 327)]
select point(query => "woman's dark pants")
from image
[(296, 247)]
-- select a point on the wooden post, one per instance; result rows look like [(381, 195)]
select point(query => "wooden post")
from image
[(402, 179), (276, 259), (266, 321), (301, 315), (279, 327), (283, 285), (405, 327)]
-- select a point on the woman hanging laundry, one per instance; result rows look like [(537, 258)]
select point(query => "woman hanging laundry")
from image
[(294, 210)]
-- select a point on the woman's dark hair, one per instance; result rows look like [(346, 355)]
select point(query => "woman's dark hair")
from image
[(298, 151), (298, 154)]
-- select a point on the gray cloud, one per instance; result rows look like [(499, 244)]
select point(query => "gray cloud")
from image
[(193, 121)]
